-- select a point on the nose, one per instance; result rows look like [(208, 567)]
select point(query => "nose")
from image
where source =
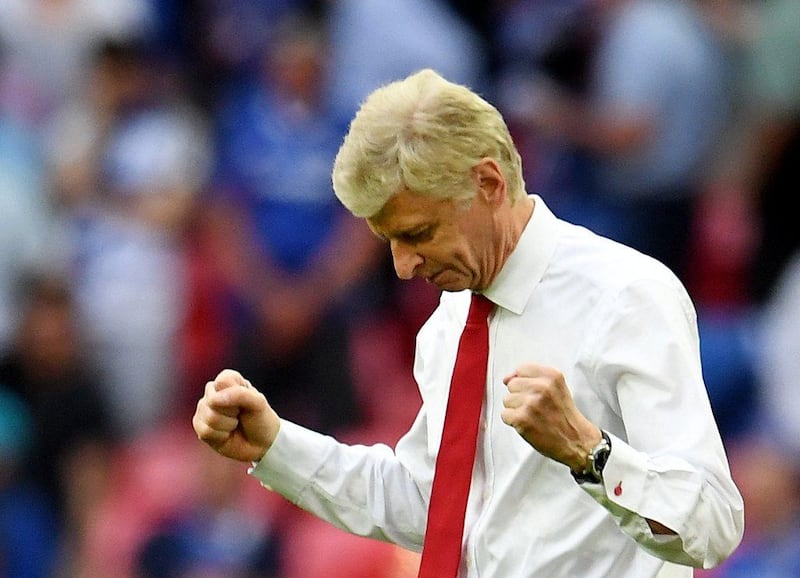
[(405, 258)]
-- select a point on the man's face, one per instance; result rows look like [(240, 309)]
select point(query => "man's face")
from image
[(445, 242)]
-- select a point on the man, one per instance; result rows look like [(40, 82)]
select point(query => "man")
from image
[(597, 452)]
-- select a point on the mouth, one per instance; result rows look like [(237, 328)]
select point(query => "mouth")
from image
[(445, 280), (433, 278)]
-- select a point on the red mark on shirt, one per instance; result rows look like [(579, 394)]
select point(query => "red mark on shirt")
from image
[(618, 489)]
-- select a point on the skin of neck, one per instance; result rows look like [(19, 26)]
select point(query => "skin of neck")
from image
[(508, 220)]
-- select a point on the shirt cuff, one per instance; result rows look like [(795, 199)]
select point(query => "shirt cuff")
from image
[(291, 462), (625, 475), (626, 480)]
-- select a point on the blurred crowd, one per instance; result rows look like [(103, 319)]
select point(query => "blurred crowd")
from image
[(166, 211)]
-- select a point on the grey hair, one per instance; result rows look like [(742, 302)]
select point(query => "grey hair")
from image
[(423, 134)]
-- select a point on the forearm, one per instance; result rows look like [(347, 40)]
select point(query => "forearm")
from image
[(364, 490)]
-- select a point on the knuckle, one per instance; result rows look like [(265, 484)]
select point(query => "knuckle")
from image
[(554, 374), (202, 430), (229, 375), (529, 369)]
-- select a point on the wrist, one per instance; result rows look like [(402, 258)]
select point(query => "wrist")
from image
[(595, 461), (592, 435)]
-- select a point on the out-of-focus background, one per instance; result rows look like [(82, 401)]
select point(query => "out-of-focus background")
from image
[(166, 212)]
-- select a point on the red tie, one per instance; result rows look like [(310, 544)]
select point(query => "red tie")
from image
[(441, 551)]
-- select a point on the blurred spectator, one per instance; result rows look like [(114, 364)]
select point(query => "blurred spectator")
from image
[(48, 369), (24, 219), (216, 535), (769, 480), (554, 40), (337, 554), (28, 534), (121, 501), (376, 42), (50, 44), (728, 349), (745, 236), (529, 32), (165, 506), (290, 253), (654, 101), (226, 39), (129, 161), (779, 367), (760, 167)]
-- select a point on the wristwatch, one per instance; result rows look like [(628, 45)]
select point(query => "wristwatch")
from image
[(597, 458)]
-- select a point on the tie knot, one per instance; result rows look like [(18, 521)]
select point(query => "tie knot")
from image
[(479, 309)]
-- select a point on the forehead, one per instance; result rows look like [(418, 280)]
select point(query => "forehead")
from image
[(407, 210)]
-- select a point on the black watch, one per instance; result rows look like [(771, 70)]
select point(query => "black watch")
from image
[(597, 458)]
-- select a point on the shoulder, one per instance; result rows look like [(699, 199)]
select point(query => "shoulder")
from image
[(611, 270)]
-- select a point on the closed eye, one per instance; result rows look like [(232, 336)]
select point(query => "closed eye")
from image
[(417, 236)]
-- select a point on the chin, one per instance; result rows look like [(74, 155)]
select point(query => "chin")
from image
[(452, 287)]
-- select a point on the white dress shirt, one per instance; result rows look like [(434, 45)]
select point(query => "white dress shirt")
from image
[(622, 329)]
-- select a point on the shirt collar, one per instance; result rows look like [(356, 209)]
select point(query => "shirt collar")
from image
[(528, 261)]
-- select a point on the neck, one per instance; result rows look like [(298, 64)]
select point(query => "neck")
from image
[(509, 230), (521, 213)]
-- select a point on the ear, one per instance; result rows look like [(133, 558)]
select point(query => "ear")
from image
[(490, 180)]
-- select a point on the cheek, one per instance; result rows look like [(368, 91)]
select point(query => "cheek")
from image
[(456, 256), (450, 249)]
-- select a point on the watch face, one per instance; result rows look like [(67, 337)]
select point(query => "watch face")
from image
[(600, 459), (600, 454)]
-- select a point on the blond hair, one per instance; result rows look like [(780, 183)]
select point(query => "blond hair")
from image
[(423, 134)]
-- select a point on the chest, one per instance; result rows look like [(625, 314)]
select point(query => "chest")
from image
[(559, 337)]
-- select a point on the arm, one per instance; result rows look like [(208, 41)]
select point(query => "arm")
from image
[(540, 407), (365, 490), (666, 482), (669, 459)]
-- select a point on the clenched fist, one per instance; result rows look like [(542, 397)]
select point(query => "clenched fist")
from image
[(540, 407), (235, 419)]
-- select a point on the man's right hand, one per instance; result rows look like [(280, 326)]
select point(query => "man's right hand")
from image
[(235, 419)]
